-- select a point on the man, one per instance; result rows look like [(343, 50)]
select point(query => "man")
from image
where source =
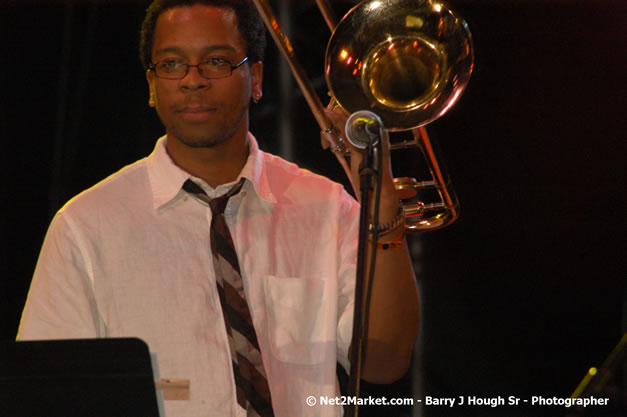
[(131, 256)]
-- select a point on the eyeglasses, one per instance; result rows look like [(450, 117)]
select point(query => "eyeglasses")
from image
[(177, 69)]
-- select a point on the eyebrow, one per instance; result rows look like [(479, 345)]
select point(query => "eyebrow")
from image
[(178, 50)]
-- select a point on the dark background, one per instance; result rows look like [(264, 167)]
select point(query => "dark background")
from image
[(521, 295)]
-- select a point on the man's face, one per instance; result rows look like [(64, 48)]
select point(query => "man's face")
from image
[(197, 111)]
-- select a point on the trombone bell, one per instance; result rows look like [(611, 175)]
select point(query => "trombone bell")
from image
[(401, 73), (407, 61)]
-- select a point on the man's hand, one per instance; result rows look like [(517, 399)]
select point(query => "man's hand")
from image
[(352, 158)]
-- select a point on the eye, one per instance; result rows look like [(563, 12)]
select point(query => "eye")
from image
[(171, 65), (213, 63)]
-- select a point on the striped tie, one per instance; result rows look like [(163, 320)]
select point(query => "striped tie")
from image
[(251, 384)]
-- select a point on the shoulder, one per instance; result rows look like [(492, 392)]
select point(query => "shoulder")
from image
[(123, 187), (288, 181)]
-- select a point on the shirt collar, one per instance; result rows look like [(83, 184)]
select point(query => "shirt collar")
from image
[(167, 179)]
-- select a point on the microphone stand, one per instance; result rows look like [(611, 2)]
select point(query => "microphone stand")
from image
[(368, 173)]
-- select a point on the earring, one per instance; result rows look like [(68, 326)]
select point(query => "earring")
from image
[(151, 100), (257, 97)]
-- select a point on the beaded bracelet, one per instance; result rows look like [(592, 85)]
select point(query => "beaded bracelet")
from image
[(394, 244), (397, 222)]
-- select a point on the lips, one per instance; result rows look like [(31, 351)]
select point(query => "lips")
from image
[(196, 112)]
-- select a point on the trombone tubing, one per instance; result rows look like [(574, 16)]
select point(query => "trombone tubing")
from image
[(287, 51), (327, 13)]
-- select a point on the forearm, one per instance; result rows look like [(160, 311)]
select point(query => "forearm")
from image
[(394, 304)]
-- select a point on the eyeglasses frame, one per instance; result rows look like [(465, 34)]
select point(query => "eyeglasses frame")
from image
[(153, 67)]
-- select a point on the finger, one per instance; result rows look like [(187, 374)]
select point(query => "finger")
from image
[(324, 142), (337, 117)]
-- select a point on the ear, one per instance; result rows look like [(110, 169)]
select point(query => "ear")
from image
[(150, 76), (256, 78)]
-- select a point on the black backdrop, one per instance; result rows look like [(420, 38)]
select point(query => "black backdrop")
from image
[(520, 296)]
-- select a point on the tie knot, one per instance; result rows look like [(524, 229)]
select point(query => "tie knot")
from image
[(218, 204)]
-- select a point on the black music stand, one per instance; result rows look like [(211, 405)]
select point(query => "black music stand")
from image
[(78, 378)]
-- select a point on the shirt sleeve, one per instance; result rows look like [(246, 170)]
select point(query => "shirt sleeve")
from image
[(61, 302), (348, 236)]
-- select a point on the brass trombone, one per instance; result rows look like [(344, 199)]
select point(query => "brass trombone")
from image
[(408, 61)]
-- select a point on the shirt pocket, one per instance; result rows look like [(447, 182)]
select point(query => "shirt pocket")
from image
[(300, 319)]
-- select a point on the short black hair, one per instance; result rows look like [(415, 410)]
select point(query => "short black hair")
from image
[(249, 22)]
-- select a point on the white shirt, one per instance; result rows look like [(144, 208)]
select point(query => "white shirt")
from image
[(131, 257)]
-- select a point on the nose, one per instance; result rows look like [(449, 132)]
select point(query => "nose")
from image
[(193, 80)]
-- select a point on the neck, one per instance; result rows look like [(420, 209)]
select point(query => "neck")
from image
[(216, 165)]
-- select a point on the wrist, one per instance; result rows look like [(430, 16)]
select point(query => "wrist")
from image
[(392, 226)]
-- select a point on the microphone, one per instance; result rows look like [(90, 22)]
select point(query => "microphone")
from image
[(363, 128)]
